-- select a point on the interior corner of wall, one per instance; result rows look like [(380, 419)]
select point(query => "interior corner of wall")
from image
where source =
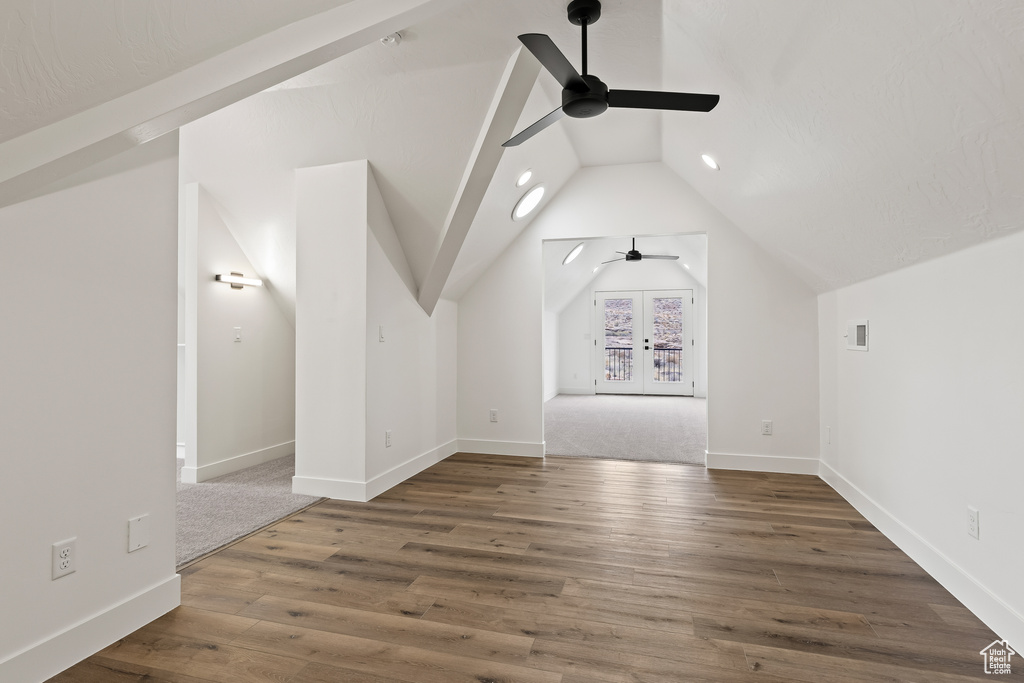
[(379, 223)]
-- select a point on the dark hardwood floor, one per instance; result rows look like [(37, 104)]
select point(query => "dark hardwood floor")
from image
[(495, 569)]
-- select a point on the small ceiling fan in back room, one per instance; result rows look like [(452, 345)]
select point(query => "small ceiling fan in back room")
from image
[(586, 96), (634, 255)]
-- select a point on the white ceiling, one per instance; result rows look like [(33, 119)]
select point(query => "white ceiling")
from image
[(60, 58), (854, 137)]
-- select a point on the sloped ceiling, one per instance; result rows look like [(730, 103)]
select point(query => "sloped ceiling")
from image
[(854, 137), (414, 110), (60, 58)]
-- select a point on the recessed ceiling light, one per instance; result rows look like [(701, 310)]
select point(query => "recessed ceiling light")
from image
[(686, 265), (572, 254), (596, 269), (709, 161), (528, 203), (524, 178)]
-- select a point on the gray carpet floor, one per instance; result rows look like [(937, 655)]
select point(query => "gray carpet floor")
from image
[(218, 511), (652, 428)]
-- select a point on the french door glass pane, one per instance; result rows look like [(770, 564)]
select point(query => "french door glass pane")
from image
[(667, 343), (618, 340)]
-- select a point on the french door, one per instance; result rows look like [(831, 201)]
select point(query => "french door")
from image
[(644, 342)]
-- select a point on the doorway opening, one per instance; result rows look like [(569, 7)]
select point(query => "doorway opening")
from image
[(625, 369), (236, 388)]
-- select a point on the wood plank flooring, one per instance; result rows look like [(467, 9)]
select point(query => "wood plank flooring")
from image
[(487, 569)]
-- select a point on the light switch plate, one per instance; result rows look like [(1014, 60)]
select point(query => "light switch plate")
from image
[(973, 522), (138, 532)]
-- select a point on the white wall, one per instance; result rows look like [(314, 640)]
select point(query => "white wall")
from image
[(762, 358), (240, 395), (411, 375), (927, 421), (551, 356), (87, 409), (700, 330), (762, 324), (500, 354), (350, 387), (330, 331), (576, 320), (576, 345)]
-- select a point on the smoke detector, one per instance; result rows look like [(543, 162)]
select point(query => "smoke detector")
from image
[(391, 40)]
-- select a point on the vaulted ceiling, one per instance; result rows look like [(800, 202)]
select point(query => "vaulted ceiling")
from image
[(853, 138)]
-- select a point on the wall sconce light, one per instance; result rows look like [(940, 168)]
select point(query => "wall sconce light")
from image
[(237, 281)]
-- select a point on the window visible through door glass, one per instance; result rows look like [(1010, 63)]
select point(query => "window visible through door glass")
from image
[(618, 340), (667, 343)]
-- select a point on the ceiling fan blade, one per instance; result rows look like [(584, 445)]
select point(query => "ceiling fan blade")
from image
[(613, 260), (553, 60), (667, 258), (530, 131), (652, 99)]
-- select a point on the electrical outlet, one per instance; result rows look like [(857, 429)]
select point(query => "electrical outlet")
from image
[(387, 438), (380, 333), (973, 522), (63, 556), (493, 415), (766, 427)]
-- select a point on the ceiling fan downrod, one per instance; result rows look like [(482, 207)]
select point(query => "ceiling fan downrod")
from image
[(583, 13), (584, 25)]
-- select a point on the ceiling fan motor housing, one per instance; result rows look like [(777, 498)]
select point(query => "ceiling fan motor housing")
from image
[(633, 255), (586, 103), (584, 11)]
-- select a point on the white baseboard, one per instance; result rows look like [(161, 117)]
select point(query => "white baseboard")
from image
[(985, 604), (586, 391), (548, 397), (339, 489), (396, 475), (761, 463), (362, 491), (51, 656), (485, 447), (195, 475)]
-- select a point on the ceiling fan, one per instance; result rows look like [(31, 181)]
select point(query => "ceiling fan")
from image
[(586, 96), (634, 255)]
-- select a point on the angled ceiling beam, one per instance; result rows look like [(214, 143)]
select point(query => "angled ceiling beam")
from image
[(499, 124), (39, 157)]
